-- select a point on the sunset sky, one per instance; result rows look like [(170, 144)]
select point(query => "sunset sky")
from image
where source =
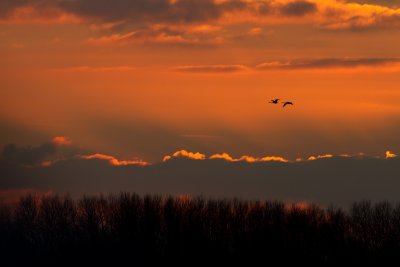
[(139, 80), (146, 78)]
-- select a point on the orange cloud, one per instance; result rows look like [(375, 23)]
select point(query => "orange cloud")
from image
[(390, 155), (273, 158), (326, 14), (61, 141), (199, 34), (167, 158), (204, 28), (212, 68), (246, 158), (256, 31), (89, 69), (113, 161), (186, 154), (154, 35), (42, 15), (307, 64), (224, 156), (327, 63), (320, 157)]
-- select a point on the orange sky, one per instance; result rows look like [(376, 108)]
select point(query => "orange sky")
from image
[(145, 80)]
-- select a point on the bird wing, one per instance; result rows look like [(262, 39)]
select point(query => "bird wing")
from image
[(287, 103)]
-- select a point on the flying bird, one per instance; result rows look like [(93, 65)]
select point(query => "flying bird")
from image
[(287, 103), (274, 101)]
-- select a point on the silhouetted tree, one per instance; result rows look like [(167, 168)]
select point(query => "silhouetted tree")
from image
[(112, 230)]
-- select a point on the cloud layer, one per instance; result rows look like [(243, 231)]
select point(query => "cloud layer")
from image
[(323, 179), (331, 14), (337, 180), (59, 148), (211, 68), (296, 64), (324, 63)]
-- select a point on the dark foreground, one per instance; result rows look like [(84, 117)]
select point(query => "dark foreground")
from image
[(143, 231)]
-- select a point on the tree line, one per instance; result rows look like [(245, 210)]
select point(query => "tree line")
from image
[(147, 230)]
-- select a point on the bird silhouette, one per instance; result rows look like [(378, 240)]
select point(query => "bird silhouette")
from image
[(274, 101), (287, 103)]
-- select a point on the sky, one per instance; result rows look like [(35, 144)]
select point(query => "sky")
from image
[(137, 82)]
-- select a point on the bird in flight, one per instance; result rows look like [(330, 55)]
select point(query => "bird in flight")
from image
[(274, 101), (287, 103)]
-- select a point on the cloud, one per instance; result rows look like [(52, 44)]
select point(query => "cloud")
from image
[(212, 68), (337, 180), (204, 29), (325, 14), (95, 69), (273, 158), (295, 64), (184, 11), (119, 12), (29, 155), (388, 3), (224, 156), (154, 11), (58, 148), (250, 159), (143, 36), (390, 155), (203, 34), (324, 63), (256, 31), (331, 179), (114, 161), (298, 8), (185, 154), (61, 141), (325, 156), (35, 12)]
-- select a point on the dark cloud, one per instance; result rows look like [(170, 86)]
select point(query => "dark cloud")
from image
[(33, 155), (264, 8), (337, 180), (29, 155), (7, 6), (120, 15), (327, 63), (134, 11), (298, 8)]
